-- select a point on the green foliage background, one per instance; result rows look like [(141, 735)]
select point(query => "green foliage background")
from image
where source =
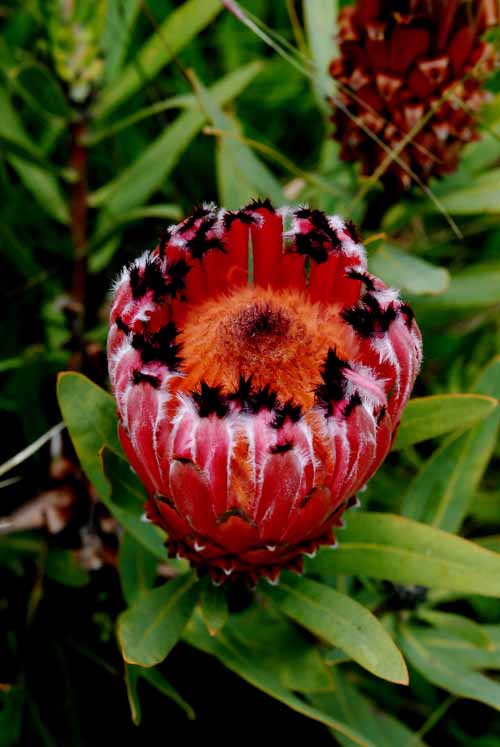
[(171, 104)]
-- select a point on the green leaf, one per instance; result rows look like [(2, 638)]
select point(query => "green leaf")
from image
[(159, 682), (101, 257), (41, 90), (447, 672), (117, 34), (28, 151), (320, 17), (490, 542), (21, 256), (263, 634), (21, 543), (479, 197), (430, 417), (135, 184), (477, 287), (148, 212), (126, 503), (348, 704), (178, 29), (268, 637), (132, 676), (443, 489), (464, 650), (408, 272), (152, 626), (485, 507), (238, 660), (62, 566), (42, 185), (90, 415), (12, 703), (461, 626), (98, 134), (342, 622), (406, 552), (479, 155), (138, 568), (213, 607), (127, 491), (241, 175)]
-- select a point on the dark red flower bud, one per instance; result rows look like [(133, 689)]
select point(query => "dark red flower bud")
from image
[(411, 66)]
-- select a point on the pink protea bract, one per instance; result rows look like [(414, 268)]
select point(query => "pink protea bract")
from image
[(260, 374)]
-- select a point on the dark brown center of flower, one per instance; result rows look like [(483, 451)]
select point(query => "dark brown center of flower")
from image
[(260, 324)]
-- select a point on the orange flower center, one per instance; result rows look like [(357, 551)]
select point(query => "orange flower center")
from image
[(278, 338)]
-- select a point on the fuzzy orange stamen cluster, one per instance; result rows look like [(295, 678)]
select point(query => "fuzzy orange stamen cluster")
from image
[(270, 336)]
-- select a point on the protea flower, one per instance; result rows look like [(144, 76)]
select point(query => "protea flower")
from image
[(260, 373), (411, 66)]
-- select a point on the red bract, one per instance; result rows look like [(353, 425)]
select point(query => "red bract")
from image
[(411, 70), (260, 373)]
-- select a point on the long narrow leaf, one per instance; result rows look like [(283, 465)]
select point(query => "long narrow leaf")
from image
[(342, 622), (90, 416), (152, 626), (248, 669), (348, 704), (430, 417), (40, 182), (168, 40), (445, 671), (320, 18), (403, 551), (241, 174), (442, 491), (137, 183)]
